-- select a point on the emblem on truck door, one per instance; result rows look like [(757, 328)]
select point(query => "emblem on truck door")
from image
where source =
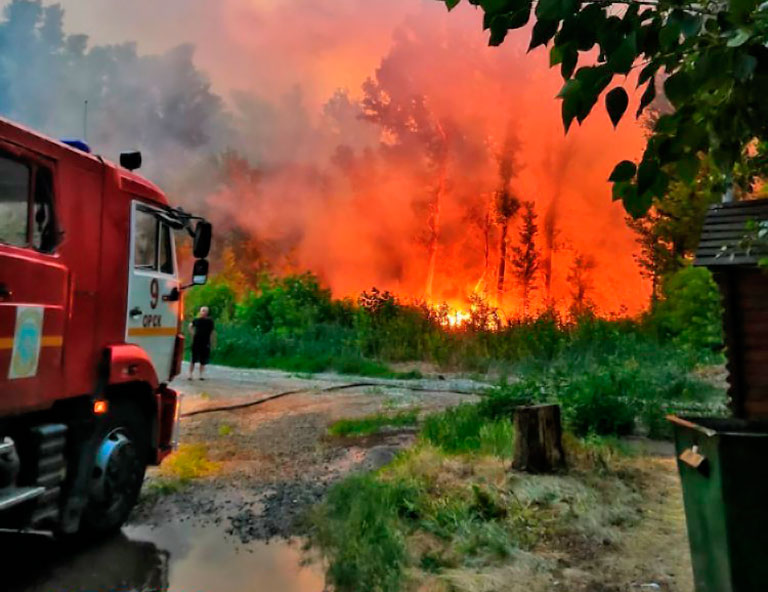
[(26, 342)]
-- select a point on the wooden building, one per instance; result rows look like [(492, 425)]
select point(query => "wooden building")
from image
[(732, 248)]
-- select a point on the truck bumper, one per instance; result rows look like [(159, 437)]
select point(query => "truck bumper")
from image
[(169, 409)]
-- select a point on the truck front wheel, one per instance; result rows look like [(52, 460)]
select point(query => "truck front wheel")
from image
[(119, 453)]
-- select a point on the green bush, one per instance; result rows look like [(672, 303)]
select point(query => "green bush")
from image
[(291, 305), (217, 295), (690, 312), (597, 404)]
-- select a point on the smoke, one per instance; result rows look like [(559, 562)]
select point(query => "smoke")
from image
[(356, 138)]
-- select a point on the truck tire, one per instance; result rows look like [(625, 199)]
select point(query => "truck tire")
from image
[(119, 450)]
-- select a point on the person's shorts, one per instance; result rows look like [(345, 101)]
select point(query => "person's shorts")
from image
[(201, 354)]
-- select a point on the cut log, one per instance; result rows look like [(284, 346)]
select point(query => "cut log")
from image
[(538, 439)]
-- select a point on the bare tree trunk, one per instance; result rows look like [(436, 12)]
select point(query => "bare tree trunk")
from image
[(502, 263), (549, 253), (538, 439)]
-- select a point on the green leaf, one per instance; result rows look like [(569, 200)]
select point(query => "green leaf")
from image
[(587, 26), (647, 73), (498, 34), (570, 59), (678, 88), (572, 96), (741, 10), (739, 38), (543, 31), (669, 36), (624, 171), (647, 174), (497, 6), (648, 38), (555, 55), (621, 60), (593, 80), (687, 168), (616, 102), (648, 96), (635, 203), (556, 9), (520, 17), (451, 4), (744, 66), (690, 24)]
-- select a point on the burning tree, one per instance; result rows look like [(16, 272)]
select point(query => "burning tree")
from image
[(557, 164), (506, 205), (525, 257), (412, 127), (580, 279)]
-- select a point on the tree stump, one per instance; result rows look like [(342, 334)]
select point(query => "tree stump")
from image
[(538, 439)]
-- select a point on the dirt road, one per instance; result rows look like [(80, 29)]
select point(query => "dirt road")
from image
[(232, 531)]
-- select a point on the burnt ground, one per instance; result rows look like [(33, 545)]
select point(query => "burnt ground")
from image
[(274, 460)]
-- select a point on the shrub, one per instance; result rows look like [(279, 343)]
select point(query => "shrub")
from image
[(690, 312), (289, 305), (217, 295), (596, 403)]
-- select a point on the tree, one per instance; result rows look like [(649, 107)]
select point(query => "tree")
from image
[(558, 162), (710, 58), (162, 104), (412, 126), (525, 257), (669, 233), (580, 279), (506, 205)]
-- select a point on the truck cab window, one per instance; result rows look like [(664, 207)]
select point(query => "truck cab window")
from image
[(14, 201), (145, 241), (44, 228), (166, 250)]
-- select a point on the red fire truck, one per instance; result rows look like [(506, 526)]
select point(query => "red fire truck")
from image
[(90, 331)]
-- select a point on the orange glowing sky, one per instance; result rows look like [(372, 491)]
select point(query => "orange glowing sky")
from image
[(356, 237)]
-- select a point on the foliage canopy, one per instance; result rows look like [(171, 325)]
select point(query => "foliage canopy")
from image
[(711, 56)]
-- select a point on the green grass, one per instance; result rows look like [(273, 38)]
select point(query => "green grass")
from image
[(371, 424), (430, 513), (464, 429)]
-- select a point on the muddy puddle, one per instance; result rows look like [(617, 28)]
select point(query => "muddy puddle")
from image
[(176, 557)]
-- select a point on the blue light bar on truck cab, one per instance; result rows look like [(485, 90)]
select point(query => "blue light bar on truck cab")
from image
[(77, 144)]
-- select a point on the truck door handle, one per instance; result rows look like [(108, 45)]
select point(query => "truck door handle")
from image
[(5, 293), (173, 296), (135, 312)]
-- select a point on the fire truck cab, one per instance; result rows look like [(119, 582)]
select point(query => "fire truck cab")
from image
[(90, 332)]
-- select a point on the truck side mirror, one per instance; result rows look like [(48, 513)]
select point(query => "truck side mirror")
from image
[(200, 272), (202, 241)]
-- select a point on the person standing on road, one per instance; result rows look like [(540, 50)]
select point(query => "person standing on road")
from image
[(203, 339)]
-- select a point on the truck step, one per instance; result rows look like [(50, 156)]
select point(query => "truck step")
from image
[(44, 514), (50, 471), (13, 496)]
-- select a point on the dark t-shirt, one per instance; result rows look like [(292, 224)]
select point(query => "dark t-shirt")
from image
[(204, 327)]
